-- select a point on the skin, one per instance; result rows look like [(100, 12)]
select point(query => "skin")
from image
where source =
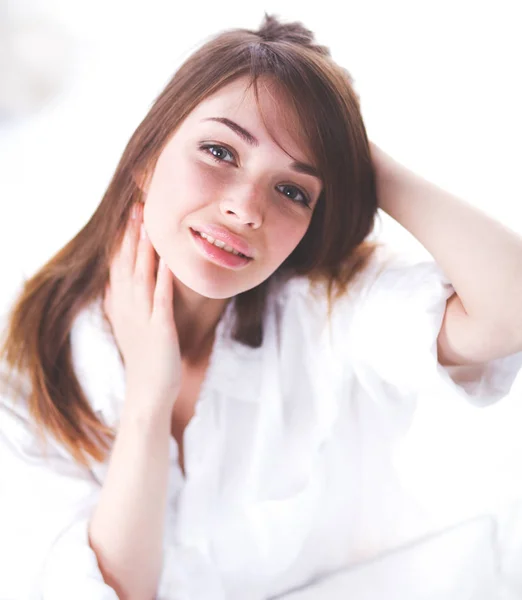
[(252, 192)]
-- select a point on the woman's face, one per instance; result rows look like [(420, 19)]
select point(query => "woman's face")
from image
[(209, 176)]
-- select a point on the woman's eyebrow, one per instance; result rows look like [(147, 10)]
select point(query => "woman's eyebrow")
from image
[(251, 140)]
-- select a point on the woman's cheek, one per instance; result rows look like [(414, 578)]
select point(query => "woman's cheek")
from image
[(282, 245), (205, 180), (293, 237), (213, 177)]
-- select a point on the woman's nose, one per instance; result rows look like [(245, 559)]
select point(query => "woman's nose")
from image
[(246, 205)]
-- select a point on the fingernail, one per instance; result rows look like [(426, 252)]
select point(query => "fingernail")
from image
[(134, 212), (143, 233)]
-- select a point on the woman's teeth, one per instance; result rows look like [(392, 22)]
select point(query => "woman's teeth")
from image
[(220, 244)]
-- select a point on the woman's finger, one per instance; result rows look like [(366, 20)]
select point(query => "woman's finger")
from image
[(127, 254), (163, 293), (122, 265), (144, 272)]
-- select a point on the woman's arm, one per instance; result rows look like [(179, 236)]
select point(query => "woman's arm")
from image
[(127, 528), (481, 257)]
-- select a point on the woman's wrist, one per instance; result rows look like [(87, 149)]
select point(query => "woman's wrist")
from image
[(147, 409)]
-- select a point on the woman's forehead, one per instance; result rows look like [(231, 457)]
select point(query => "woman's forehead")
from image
[(274, 116)]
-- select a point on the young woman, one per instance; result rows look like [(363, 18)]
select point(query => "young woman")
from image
[(204, 388)]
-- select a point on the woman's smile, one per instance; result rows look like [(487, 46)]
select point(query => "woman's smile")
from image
[(218, 255)]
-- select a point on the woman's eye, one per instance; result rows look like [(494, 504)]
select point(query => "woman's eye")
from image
[(210, 149), (304, 198), (216, 153)]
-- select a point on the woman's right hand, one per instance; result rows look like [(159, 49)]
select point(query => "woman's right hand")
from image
[(139, 304)]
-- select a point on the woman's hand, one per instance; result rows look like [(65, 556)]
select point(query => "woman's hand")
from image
[(127, 528), (139, 304)]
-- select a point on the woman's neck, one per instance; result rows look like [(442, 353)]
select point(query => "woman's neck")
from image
[(196, 319)]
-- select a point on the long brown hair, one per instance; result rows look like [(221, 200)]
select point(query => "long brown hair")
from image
[(333, 250)]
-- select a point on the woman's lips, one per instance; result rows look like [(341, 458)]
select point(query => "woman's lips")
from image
[(222, 234), (218, 255)]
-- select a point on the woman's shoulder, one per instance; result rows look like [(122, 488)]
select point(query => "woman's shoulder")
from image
[(290, 288), (97, 362), (391, 285)]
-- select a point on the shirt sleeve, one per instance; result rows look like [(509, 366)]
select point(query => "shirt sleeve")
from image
[(393, 337), (45, 506)]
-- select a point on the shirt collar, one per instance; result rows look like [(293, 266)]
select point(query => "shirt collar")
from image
[(235, 370)]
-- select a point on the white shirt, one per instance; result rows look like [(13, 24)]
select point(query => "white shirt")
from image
[(301, 457)]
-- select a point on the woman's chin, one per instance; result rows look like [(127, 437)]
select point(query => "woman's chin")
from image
[(209, 287)]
